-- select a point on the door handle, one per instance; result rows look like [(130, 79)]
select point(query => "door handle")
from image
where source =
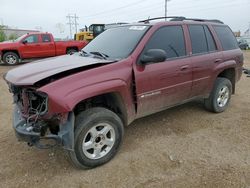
[(217, 60), (185, 67)]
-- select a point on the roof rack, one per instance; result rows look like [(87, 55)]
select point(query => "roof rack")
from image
[(158, 18), (181, 18)]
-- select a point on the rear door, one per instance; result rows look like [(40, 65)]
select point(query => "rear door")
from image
[(163, 84), (47, 46), (204, 56), (31, 47)]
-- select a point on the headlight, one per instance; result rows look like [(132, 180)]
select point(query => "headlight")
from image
[(37, 102)]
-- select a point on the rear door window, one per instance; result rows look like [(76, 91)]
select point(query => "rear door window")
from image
[(198, 39), (46, 38), (201, 39), (226, 37), (170, 39), (210, 40)]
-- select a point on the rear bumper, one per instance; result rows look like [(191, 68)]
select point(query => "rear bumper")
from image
[(65, 136)]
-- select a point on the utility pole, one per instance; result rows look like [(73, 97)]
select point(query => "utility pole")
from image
[(72, 22), (76, 22), (249, 29), (1, 21), (166, 8)]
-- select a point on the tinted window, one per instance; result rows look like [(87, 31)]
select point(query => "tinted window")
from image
[(117, 42), (210, 40), (31, 39), (226, 37), (170, 39), (46, 38), (198, 39)]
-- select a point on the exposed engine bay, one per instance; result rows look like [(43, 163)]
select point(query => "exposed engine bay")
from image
[(33, 108)]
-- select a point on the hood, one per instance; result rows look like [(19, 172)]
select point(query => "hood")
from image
[(8, 44), (31, 73), (7, 41)]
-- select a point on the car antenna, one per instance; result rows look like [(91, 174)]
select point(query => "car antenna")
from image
[(147, 20)]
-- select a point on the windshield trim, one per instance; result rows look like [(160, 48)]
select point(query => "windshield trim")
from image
[(149, 26)]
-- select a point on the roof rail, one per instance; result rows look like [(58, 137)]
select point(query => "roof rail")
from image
[(196, 19), (181, 18), (158, 18)]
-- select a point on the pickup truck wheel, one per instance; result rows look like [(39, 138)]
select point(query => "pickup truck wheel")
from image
[(220, 95), (71, 51), (98, 135), (10, 58)]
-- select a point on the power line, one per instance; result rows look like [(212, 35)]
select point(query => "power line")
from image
[(151, 9), (215, 7), (145, 8), (116, 9)]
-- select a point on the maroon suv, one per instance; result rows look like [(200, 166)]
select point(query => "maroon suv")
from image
[(83, 101)]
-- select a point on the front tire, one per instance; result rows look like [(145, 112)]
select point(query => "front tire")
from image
[(220, 96), (98, 136), (10, 58)]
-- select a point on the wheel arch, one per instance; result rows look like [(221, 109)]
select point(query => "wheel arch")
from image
[(14, 51), (229, 73), (112, 101), (72, 47)]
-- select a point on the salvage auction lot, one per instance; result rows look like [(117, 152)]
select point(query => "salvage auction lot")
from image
[(185, 146)]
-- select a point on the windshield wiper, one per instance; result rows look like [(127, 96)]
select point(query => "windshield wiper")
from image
[(104, 56), (83, 53)]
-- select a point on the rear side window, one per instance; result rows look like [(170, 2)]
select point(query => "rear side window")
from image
[(46, 38), (170, 39), (226, 37)]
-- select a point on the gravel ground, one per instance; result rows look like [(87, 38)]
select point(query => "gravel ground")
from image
[(185, 146)]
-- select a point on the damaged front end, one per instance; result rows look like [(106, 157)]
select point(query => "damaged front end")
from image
[(34, 124)]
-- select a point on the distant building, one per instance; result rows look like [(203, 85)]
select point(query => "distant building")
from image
[(237, 34), (18, 32)]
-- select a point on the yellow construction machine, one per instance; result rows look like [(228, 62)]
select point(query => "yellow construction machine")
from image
[(88, 33)]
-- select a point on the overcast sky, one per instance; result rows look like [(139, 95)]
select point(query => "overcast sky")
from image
[(51, 15)]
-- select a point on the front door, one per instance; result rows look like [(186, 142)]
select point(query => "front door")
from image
[(163, 84), (30, 47)]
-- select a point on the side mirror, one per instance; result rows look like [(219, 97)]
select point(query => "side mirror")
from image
[(153, 55), (24, 41)]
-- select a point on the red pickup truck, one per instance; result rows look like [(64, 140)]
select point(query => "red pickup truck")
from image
[(36, 45)]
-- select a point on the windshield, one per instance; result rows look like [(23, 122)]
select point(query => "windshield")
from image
[(117, 43), (20, 38)]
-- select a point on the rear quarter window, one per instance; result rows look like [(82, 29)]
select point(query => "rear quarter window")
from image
[(226, 37)]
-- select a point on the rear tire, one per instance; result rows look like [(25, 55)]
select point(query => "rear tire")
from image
[(98, 136), (71, 51), (10, 58), (220, 96)]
